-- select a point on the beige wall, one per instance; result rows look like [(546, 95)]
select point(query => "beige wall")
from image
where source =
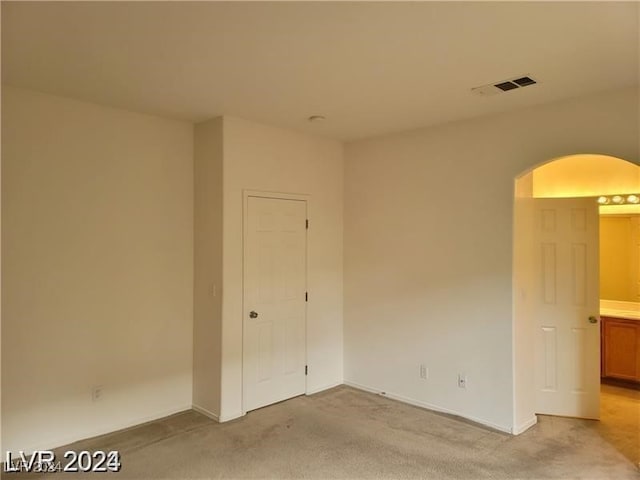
[(619, 258), (523, 286), (97, 270), (428, 248), (98, 246), (207, 321), (258, 157)]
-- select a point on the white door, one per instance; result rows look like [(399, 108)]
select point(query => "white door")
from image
[(566, 307), (274, 350)]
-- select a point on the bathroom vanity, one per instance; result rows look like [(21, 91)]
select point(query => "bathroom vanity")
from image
[(620, 337)]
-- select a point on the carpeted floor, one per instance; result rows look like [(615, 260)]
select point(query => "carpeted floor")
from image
[(346, 433), (620, 420)]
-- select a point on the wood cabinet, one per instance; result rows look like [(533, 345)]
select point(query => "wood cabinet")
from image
[(620, 348)]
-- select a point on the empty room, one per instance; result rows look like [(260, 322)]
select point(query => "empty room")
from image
[(320, 240)]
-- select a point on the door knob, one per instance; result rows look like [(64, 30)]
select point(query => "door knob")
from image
[(253, 314), (593, 319)]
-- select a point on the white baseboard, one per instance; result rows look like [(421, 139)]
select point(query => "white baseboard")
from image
[(323, 388), (523, 427), (205, 412), (228, 418), (59, 442), (428, 406)]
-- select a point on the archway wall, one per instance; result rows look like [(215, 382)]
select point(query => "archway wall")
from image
[(585, 175), (580, 175), (428, 259), (608, 127)]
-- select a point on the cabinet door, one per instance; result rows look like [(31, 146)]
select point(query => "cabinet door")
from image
[(621, 349)]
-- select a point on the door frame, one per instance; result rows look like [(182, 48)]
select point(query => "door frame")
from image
[(246, 194)]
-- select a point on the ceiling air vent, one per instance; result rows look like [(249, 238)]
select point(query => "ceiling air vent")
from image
[(524, 81), (504, 86)]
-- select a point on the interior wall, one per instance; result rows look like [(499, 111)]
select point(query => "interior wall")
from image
[(618, 258), (258, 157), (97, 277), (523, 328), (429, 247), (207, 260)]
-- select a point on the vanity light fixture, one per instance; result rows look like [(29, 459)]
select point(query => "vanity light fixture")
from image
[(632, 199)]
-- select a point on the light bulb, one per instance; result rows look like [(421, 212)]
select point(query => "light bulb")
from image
[(603, 200), (617, 199), (633, 199)]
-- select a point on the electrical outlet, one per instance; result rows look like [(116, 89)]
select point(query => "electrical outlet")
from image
[(96, 393), (462, 380), (424, 372)]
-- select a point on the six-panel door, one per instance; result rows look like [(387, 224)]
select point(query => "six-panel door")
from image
[(274, 301), (566, 307)]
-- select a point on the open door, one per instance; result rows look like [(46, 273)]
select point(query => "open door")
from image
[(566, 307)]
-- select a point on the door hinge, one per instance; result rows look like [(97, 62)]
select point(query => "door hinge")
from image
[(306, 369), (306, 224), (306, 296)]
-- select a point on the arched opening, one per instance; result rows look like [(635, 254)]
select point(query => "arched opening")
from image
[(558, 209)]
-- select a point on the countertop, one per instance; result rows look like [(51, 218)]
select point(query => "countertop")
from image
[(616, 309)]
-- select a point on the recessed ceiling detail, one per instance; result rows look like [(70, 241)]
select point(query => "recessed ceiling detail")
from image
[(504, 86)]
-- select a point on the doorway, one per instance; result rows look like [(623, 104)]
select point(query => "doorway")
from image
[(577, 178), (274, 299), (620, 317)]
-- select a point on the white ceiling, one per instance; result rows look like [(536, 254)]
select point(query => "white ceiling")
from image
[(370, 68)]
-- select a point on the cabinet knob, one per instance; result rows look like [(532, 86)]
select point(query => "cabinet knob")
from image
[(593, 319)]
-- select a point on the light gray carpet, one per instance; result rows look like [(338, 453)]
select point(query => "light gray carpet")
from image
[(346, 433)]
